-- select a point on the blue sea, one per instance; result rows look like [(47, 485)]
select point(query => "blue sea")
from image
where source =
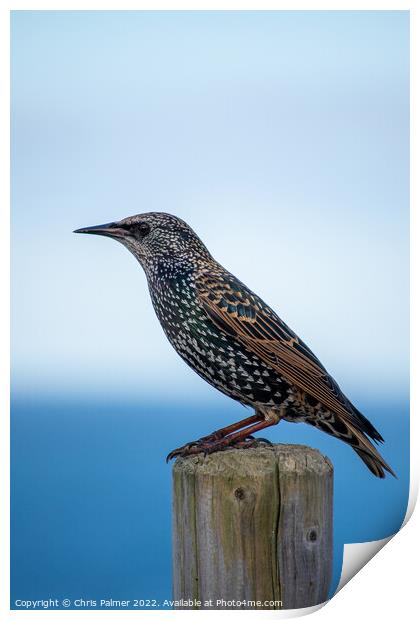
[(91, 491)]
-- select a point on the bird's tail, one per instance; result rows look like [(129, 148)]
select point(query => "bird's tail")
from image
[(369, 454), (344, 430), (376, 466)]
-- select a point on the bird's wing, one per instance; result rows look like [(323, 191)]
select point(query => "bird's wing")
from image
[(243, 315)]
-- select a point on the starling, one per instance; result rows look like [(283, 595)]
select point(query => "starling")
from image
[(236, 342)]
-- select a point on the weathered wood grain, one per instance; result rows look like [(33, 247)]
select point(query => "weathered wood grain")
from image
[(253, 525)]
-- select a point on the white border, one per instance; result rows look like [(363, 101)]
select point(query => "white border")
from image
[(386, 585)]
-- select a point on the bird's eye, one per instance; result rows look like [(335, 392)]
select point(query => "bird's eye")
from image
[(143, 229)]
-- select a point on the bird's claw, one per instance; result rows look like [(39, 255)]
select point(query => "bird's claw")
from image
[(264, 440), (183, 451), (194, 447), (207, 445), (252, 442)]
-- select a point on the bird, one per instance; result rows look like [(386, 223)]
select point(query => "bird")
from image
[(232, 339)]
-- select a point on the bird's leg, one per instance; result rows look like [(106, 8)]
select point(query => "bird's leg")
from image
[(243, 438), (226, 430), (213, 437), (238, 437)]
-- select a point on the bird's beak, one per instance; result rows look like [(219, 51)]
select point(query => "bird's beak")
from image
[(113, 229)]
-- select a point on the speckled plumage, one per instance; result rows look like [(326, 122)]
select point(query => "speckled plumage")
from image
[(235, 341)]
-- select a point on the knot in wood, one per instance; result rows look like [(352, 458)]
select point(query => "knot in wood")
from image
[(312, 535), (239, 493)]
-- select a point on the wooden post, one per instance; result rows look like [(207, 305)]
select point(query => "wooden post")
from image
[(252, 529)]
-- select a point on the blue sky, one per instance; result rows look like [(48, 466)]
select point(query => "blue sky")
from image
[(281, 137)]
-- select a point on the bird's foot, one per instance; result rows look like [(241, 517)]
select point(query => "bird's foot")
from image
[(250, 442), (208, 445), (203, 444), (194, 447), (214, 436)]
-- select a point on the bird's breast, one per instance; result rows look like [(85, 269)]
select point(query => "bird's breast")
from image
[(218, 358)]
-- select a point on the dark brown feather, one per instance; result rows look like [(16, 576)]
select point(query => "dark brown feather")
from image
[(243, 315)]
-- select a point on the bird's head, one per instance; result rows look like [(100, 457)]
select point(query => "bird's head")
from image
[(156, 240)]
